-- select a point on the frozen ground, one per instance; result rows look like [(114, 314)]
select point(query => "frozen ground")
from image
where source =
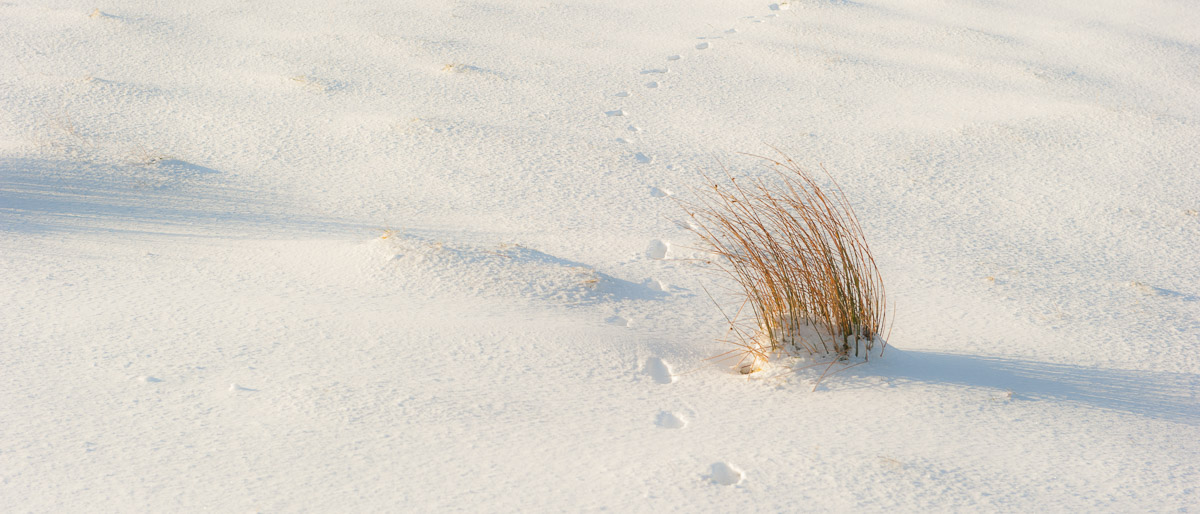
[(422, 256)]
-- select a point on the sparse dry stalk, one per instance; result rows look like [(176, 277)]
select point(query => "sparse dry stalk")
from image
[(797, 252)]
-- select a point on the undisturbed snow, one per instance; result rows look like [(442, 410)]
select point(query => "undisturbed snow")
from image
[(425, 256)]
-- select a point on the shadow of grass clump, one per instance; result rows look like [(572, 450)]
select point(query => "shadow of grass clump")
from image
[(798, 256), (1171, 396)]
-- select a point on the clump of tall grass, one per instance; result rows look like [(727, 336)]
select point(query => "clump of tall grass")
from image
[(802, 266)]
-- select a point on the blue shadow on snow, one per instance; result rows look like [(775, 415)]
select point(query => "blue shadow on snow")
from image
[(1164, 395)]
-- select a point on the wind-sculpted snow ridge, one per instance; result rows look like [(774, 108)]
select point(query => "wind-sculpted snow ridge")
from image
[(157, 193), (503, 270)]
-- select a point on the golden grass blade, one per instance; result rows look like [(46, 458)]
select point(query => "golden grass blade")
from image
[(796, 251)]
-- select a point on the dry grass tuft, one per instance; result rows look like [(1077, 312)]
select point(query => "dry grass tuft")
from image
[(798, 255)]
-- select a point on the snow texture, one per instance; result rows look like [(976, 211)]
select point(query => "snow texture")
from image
[(426, 256)]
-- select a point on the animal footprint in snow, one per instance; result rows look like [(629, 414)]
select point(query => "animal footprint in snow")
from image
[(652, 85), (670, 420), (659, 192), (657, 250), (643, 158), (632, 128), (618, 112), (622, 94), (703, 46), (674, 57), (655, 71), (723, 473), (659, 370)]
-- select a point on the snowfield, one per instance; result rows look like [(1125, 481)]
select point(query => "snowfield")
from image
[(426, 256)]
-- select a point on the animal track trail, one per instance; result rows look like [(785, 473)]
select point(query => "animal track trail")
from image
[(720, 473), (658, 249)]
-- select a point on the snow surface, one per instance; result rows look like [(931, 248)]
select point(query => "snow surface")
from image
[(424, 256)]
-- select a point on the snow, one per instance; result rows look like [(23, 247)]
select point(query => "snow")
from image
[(426, 256)]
